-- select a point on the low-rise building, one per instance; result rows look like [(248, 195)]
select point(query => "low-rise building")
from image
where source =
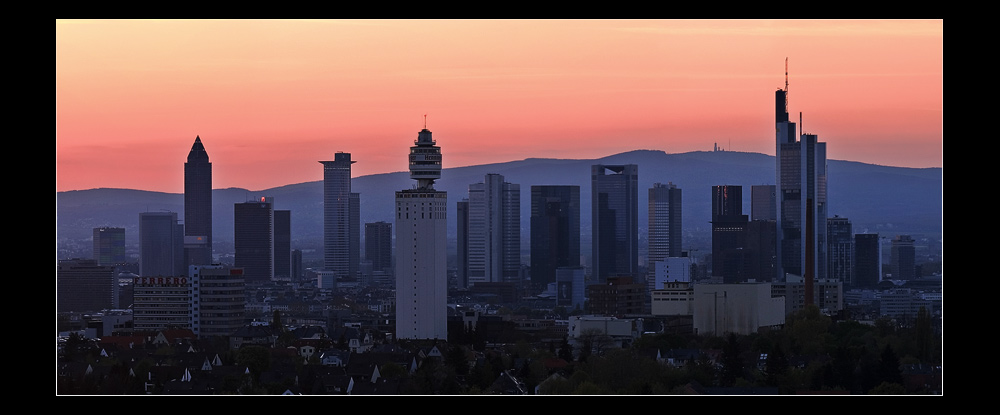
[(741, 308), (619, 332), (673, 299)]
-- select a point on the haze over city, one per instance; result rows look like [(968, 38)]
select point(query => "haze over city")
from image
[(270, 98)]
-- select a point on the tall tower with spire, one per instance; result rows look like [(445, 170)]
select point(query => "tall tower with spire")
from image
[(198, 206), (421, 244), (800, 177)]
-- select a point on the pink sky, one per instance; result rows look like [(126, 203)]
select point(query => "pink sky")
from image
[(270, 98)]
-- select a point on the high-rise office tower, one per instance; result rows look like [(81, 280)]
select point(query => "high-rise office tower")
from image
[(109, 246), (763, 202), (801, 197), (421, 247), (555, 231), (494, 231), (283, 245), (198, 206), (297, 265), (84, 285), (761, 244), (378, 245), (902, 255), (462, 242), (867, 261), (615, 221), (337, 215), (254, 239), (354, 237), (840, 253), (161, 245), (730, 258), (664, 227), (762, 232)]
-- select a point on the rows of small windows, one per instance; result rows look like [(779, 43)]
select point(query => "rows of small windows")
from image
[(160, 300), (222, 284), (168, 304), (223, 307), (168, 292), (163, 315), (220, 316), (224, 293)]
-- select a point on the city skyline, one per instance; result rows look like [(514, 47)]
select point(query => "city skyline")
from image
[(267, 96)]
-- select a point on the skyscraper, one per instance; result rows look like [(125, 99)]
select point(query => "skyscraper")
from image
[(841, 250), (867, 261), (109, 246), (296, 265), (337, 216), (378, 245), (762, 232), (161, 245), (462, 236), (902, 255), (762, 202), (198, 206), (283, 245), (421, 244), (354, 236), (664, 227), (730, 258), (615, 221), (494, 230), (254, 239), (761, 242), (555, 231), (801, 197)]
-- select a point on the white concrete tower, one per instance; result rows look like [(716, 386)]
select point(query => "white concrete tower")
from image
[(421, 248)]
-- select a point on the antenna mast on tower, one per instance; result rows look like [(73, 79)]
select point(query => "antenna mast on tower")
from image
[(786, 84)]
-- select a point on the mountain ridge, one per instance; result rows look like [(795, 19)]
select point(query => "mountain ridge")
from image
[(876, 198)]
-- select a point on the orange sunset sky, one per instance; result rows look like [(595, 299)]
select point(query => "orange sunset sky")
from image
[(270, 98)]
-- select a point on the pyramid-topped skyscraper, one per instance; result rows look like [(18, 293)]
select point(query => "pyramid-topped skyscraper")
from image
[(198, 206)]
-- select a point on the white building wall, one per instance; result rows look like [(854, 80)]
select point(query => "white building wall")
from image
[(736, 308), (673, 299), (421, 265), (611, 326)]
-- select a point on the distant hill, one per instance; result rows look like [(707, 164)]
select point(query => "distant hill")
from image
[(883, 199)]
